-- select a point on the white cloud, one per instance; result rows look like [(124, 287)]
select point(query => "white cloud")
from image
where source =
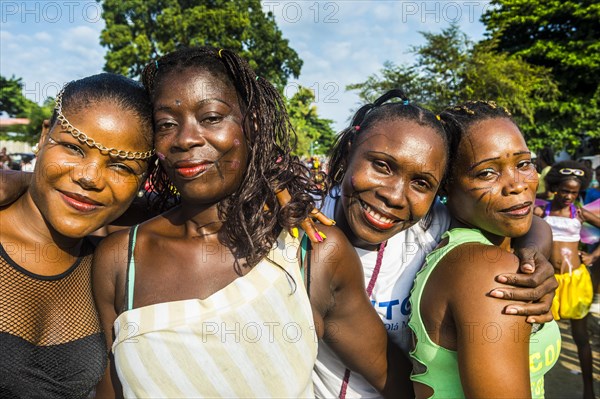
[(43, 36)]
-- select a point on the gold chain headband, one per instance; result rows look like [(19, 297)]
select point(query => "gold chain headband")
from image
[(85, 139)]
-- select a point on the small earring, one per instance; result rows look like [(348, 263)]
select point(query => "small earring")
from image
[(337, 177)]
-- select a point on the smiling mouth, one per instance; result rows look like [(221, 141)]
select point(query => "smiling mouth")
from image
[(376, 219), (80, 202)]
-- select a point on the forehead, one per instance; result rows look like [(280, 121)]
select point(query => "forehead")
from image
[(491, 138), (570, 183), (111, 125), (401, 136), (194, 84)]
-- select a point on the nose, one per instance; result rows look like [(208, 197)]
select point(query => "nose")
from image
[(516, 182), (393, 195), (90, 176), (189, 135)]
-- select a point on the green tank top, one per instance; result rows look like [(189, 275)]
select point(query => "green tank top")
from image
[(436, 366)]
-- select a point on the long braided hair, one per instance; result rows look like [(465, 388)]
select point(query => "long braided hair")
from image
[(249, 229)]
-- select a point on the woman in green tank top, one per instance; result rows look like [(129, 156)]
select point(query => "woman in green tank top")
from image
[(464, 344)]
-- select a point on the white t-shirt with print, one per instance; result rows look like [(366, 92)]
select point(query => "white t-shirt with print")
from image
[(403, 257)]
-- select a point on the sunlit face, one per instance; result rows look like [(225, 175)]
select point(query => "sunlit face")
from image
[(77, 188), (567, 192), (199, 135), (494, 181), (393, 173)]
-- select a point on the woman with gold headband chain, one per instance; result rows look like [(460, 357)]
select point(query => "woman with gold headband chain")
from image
[(93, 157)]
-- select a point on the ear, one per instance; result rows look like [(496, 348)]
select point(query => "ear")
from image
[(44, 135), (45, 132)]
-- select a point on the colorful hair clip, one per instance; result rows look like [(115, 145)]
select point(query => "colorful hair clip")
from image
[(156, 64), (438, 118), (357, 128), (220, 56), (406, 102)]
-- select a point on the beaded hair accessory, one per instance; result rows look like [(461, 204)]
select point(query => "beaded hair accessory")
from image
[(85, 139)]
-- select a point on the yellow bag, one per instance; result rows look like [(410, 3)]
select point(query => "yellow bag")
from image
[(574, 294)]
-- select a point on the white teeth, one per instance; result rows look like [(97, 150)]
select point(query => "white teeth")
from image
[(376, 215)]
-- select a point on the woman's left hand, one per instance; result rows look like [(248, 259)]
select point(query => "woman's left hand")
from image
[(534, 287)]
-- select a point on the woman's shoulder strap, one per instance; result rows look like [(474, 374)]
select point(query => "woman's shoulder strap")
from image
[(130, 275)]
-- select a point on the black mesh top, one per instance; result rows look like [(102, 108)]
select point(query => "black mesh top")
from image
[(51, 344)]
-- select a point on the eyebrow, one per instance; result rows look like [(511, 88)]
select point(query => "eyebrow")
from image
[(495, 158), (163, 107)]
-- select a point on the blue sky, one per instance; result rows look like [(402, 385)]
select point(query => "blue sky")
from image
[(48, 43)]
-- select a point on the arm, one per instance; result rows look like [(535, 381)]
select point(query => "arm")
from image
[(14, 184), (339, 299), (534, 286), (493, 348), (589, 217), (105, 281)]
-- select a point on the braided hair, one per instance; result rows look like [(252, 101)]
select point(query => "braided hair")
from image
[(458, 118), (368, 116), (248, 228)]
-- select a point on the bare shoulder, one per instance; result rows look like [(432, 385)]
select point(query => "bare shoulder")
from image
[(336, 254), (475, 265)]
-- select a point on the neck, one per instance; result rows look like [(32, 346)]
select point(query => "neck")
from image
[(199, 222), (499, 241)]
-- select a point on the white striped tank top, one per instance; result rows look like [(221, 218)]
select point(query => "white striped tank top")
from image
[(253, 338)]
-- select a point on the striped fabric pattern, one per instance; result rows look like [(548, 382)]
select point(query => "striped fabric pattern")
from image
[(253, 338)]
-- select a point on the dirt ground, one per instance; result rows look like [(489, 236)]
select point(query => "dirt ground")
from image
[(564, 380)]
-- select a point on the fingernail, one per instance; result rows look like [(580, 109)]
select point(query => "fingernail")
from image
[(332, 222), (502, 279), (294, 232), (511, 311), (322, 235), (318, 237), (497, 294), (160, 156), (527, 267), (531, 321)]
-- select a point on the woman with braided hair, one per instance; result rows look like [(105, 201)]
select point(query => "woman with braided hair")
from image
[(463, 344), (385, 171), (214, 298), (93, 157)]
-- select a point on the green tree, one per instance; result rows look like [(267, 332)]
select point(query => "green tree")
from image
[(12, 100), (564, 37), (435, 77), (313, 132), (138, 31), (15, 104), (449, 68), (527, 90)]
